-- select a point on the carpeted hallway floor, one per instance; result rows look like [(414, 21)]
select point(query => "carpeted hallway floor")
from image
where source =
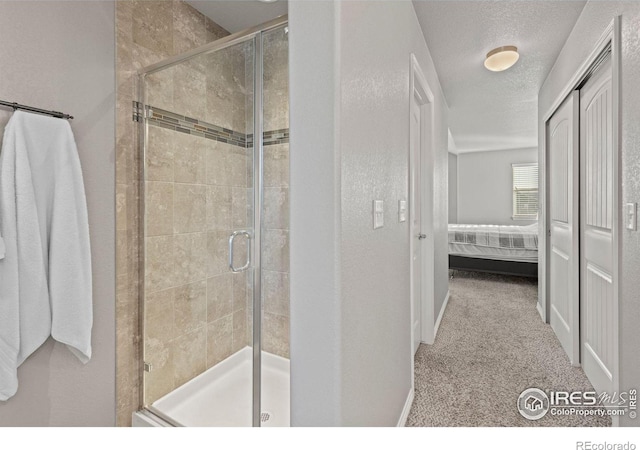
[(490, 347)]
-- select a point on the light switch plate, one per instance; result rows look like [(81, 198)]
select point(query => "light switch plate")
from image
[(402, 211), (630, 216), (378, 214)]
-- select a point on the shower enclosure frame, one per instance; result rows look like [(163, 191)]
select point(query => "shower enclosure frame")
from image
[(254, 34)]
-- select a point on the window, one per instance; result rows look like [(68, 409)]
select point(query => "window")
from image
[(525, 191)]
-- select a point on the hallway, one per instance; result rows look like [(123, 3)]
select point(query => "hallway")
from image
[(490, 347)]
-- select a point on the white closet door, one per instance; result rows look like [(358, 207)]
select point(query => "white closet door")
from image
[(598, 311), (563, 256)]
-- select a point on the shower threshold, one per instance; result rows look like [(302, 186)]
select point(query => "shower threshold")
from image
[(222, 395)]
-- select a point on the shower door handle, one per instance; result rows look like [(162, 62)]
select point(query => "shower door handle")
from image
[(232, 239)]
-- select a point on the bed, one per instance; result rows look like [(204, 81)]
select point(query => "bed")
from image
[(501, 249)]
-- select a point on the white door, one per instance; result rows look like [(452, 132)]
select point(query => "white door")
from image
[(598, 311), (564, 228), (416, 223)]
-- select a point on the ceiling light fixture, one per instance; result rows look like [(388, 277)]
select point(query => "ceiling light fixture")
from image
[(268, 1), (501, 58)]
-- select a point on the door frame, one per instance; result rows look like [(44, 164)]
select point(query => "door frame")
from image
[(420, 90), (610, 37)]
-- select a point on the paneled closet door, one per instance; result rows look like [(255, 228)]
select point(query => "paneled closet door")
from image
[(598, 310), (562, 137)]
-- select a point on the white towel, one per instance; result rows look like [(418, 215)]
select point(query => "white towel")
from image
[(45, 278)]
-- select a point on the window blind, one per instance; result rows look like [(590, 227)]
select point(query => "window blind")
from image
[(525, 191)]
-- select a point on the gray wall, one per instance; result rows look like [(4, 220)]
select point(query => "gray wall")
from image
[(453, 188), (485, 184), (592, 22), (60, 55), (350, 308)]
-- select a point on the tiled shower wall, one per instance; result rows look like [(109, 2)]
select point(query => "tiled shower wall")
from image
[(146, 32), (198, 190), (275, 333)]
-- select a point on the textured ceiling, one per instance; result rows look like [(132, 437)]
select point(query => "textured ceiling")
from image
[(494, 110), (238, 15)]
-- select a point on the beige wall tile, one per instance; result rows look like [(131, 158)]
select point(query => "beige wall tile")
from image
[(160, 155), (160, 380), (123, 415), (239, 110), (132, 209), (242, 288), (190, 306), (122, 252), (189, 28), (159, 263), (160, 89), (276, 165), (153, 25), (123, 163), (124, 21), (276, 250), (126, 350), (219, 340), (190, 353), (159, 315), (122, 288), (189, 159), (218, 172), (143, 57), (219, 205), (219, 296), (276, 112), (125, 136), (214, 31), (237, 162), (226, 92), (217, 253), (190, 255), (121, 206), (239, 330), (276, 208), (276, 54), (189, 208), (189, 91), (275, 334), (275, 288), (241, 208), (159, 208)]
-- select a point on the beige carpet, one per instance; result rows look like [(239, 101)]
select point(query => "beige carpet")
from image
[(491, 346)]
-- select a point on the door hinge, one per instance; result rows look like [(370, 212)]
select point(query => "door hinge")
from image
[(140, 113), (147, 367), (137, 111)]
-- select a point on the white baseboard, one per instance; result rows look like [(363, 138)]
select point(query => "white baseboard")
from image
[(444, 306), (402, 421)]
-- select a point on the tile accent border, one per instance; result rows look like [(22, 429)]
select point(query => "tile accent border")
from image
[(183, 124), (176, 122)]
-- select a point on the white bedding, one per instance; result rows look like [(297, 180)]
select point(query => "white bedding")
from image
[(501, 242)]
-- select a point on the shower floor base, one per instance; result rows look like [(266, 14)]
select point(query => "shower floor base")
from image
[(222, 396)]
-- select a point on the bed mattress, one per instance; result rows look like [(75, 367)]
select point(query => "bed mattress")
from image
[(501, 242)]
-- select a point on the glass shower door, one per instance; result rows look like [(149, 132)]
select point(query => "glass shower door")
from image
[(201, 249)]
